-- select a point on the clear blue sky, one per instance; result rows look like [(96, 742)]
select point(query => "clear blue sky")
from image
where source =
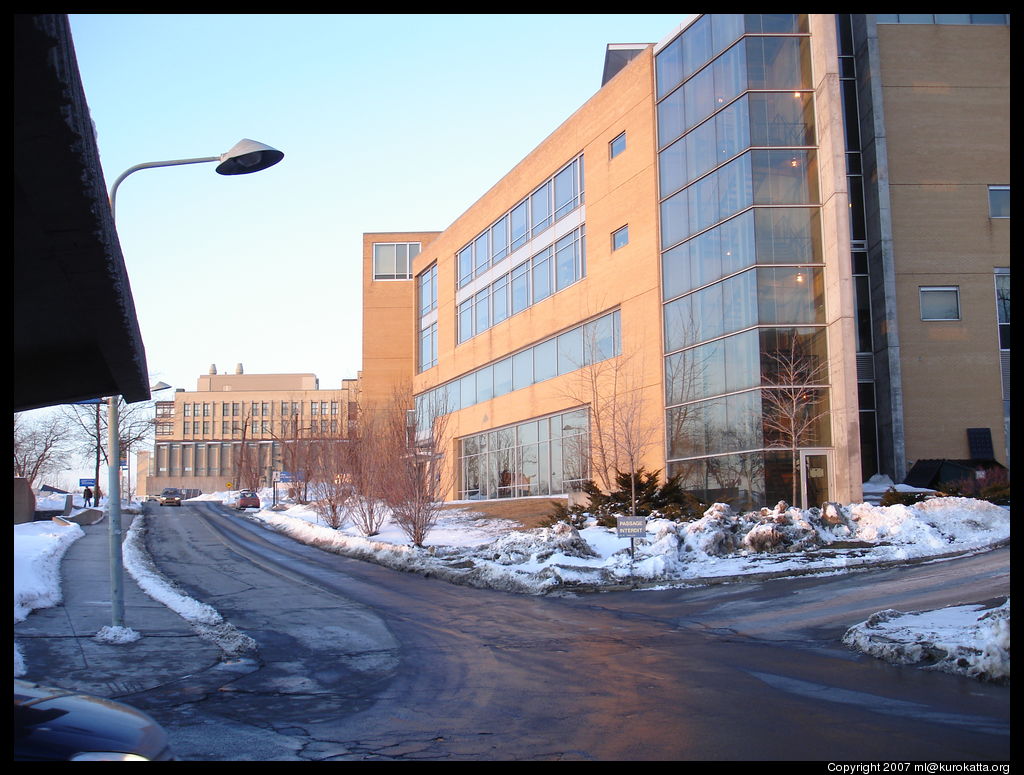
[(387, 122)]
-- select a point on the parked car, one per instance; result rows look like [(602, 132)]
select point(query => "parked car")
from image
[(53, 724), (171, 496), (247, 499)]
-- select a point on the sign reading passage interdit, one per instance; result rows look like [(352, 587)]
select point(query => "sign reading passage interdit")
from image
[(631, 527)]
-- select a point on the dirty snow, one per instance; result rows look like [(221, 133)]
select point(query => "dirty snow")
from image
[(467, 549)]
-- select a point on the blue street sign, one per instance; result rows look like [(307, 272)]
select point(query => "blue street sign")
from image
[(86, 482)]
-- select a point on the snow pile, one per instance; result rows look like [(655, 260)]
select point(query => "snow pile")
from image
[(970, 640), (39, 547), (206, 621), (117, 635)]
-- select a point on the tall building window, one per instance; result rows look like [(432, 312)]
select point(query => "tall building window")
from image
[(998, 201), (617, 146), (1003, 307), (393, 260), (940, 302), (428, 290), (557, 197), (620, 238)]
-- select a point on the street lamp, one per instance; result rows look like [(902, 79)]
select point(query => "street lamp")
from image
[(244, 157)]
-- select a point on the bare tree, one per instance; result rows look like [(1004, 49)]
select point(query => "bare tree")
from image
[(367, 473), (329, 485), (416, 479), (41, 445), (794, 399), (135, 426), (622, 430)]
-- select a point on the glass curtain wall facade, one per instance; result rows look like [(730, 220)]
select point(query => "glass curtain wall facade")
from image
[(746, 378), (546, 456)]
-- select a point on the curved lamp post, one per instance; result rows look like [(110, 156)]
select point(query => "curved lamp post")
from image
[(244, 157)]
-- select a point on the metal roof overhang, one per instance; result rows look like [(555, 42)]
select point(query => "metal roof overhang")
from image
[(76, 334)]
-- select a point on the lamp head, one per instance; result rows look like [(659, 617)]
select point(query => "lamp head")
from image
[(248, 156)]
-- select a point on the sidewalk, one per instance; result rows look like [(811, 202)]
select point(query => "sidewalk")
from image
[(59, 646)]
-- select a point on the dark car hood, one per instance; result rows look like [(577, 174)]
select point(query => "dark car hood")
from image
[(55, 724)]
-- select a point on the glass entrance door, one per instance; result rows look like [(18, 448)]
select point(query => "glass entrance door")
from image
[(815, 477)]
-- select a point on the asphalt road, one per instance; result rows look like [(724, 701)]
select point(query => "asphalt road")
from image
[(355, 661)]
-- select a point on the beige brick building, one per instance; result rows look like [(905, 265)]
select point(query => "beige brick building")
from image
[(760, 209), (235, 430)]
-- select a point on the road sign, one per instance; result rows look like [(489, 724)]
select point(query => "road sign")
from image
[(86, 482), (631, 527)]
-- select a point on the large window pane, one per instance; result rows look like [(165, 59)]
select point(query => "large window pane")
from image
[(788, 235), (671, 117), (778, 63), (541, 275), (519, 226), (675, 265), (570, 350), (540, 208), (784, 177), (697, 46), (521, 287), (781, 119), (699, 96), (522, 369), (499, 239), (566, 191), (545, 360), (675, 219), (790, 295)]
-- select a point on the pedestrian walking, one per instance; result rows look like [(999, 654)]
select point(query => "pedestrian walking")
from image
[(87, 495)]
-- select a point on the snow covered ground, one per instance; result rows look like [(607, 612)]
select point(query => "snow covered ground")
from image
[(467, 549)]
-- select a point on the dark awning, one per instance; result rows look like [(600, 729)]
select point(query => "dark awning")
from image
[(76, 334)]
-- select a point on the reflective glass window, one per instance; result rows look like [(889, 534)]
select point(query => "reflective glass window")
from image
[(567, 261), (778, 63), (499, 239), (781, 118), (499, 299), (671, 117), (481, 253), (675, 269), (699, 96), (790, 295), (999, 201), (465, 265), (519, 225), (570, 350), (788, 235), (484, 384), (541, 275), (697, 45), (730, 74), (503, 377), (775, 23), (521, 287), (784, 177), (522, 369), (465, 320), (482, 311), (566, 191), (545, 360), (540, 208)]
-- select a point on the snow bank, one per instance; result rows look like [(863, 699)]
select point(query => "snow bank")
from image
[(38, 549), (969, 640)]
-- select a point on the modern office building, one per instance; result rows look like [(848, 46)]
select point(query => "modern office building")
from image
[(770, 255), (236, 430)]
